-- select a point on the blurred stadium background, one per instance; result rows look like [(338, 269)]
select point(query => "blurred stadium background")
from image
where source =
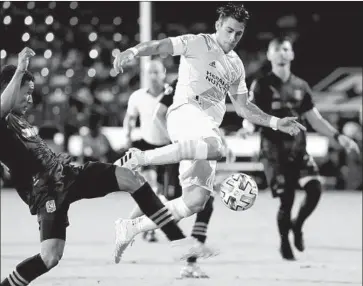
[(75, 41)]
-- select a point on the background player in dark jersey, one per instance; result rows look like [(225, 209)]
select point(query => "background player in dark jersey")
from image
[(49, 184), (286, 161)]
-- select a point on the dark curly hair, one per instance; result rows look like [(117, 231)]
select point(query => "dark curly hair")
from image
[(7, 74), (234, 10)]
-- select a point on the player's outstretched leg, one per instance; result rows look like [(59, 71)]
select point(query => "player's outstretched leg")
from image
[(284, 223), (191, 269), (33, 267), (150, 205), (210, 148), (313, 191), (157, 215)]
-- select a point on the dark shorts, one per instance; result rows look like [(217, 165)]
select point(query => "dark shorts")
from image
[(144, 146), (92, 180), (283, 174)]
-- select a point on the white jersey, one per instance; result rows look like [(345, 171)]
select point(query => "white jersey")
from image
[(142, 103), (206, 74)]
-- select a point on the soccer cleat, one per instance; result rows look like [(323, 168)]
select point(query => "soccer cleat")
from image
[(192, 270), (129, 160), (285, 249), (125, 230), (190, 246), (298, 238)]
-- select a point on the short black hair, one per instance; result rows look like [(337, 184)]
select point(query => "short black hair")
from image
[(7, 74), (234, 10), (281, 39)]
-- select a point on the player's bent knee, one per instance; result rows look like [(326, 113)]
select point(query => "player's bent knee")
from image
[(215, 148), (195, 197), (129, 180), (52, 251), (51, 259)]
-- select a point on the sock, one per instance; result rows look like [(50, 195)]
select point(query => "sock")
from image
[(158, 213), (284, 213), (201, 225), (26, 271), (174, 153), (313, 192), (176, 207)]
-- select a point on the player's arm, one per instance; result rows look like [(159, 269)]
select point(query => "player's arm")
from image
[(174, 46), (322, 126), (8, 96), (10, 93), (251, 112), (129, 122)]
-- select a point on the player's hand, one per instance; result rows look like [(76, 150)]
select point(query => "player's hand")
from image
[(23, 58), (122, 59), (348, 144), (290, 126)]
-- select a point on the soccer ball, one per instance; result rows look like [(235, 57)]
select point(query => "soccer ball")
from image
[(238, 192)]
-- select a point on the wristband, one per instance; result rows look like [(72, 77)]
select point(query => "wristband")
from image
[(273, 122), (134, 51)]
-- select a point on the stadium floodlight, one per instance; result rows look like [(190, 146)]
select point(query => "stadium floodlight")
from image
[(28, 20), (117, 37), (3, 54), (69, 73), (44, 72), (52, 5), (47, 54), (31, 5), (49, 37), (6, 4), (49, 20), (73, 5), (25, 37), (92, 36), (94, 21), (73, 21), (91, 72), (7, 20), (93, 54), (117, 21)]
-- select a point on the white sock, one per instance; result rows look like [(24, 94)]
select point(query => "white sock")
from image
[(174, 153), (178, 209)]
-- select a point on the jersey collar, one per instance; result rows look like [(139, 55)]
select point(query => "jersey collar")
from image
[(214, 37)]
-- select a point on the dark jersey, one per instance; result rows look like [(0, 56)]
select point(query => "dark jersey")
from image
[(282, 99), (27, 155)]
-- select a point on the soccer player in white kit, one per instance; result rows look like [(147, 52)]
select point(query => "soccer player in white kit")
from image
[(209, 69)]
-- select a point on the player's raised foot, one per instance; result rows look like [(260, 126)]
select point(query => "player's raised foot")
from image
[(192, 270), (298, 237), (125, 230), (190, 246), (285, 249), (129, 160)]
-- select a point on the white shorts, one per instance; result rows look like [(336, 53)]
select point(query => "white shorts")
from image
[(189, 122)]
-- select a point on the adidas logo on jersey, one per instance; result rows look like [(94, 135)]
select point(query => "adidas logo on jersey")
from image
[(213, 64)]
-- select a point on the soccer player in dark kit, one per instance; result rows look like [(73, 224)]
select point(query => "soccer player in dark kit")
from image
[(285, 159), (48, 183)]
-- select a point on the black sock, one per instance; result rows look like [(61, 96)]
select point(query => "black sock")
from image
[(313, 192), (284, 213), (154, 209), (26, 271), (201, 225)]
